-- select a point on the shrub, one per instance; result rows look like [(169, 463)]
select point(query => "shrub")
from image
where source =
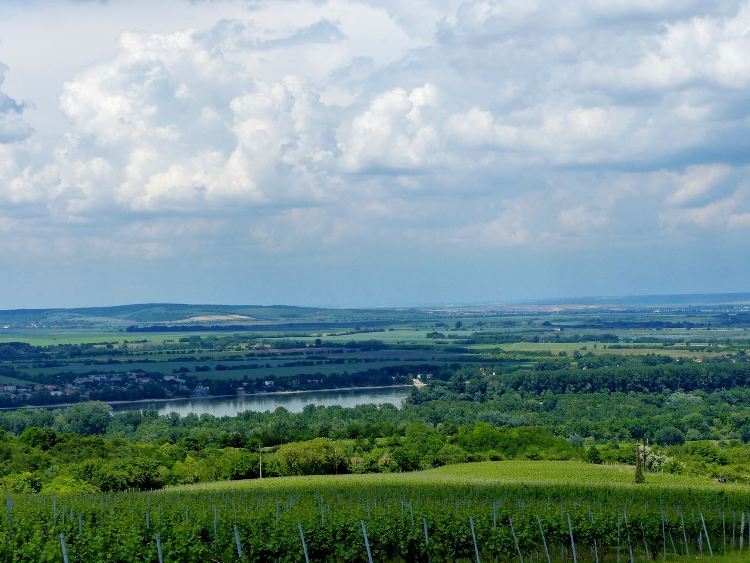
[(67, 485), (25, 482), (669, 436), (314, 457), (593, 455)]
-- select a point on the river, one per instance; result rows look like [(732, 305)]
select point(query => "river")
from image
[(293, 402)]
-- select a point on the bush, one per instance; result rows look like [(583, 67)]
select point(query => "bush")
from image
[(593, 455), (244, 466), (707, 453), (534, 453), (314, 457), (449, 454), (42, 438), (67, 485), (669, 436), (25, 482), (89, 418)]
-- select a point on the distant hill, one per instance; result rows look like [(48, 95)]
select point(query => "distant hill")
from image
[(163, 316), (180, 315)]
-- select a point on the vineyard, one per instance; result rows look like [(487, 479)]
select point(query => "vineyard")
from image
[(398, 519)]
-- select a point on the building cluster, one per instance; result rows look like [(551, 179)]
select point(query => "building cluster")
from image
[(26, 391), (89, 385)]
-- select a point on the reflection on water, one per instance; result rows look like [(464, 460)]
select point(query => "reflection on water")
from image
[(293, 402)]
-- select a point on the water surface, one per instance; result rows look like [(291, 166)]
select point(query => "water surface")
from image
[(293, 402)]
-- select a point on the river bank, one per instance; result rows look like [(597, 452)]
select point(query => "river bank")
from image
[(248, 397)]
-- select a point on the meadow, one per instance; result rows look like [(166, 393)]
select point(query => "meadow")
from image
[(491, 473)]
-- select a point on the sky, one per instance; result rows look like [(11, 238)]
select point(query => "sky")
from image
[(371, 153)]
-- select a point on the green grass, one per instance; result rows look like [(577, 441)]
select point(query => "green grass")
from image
[(601, 348), (6, 380), (399, 335), (489, 473), (45, 337)]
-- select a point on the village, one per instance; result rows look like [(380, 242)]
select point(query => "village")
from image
[(131, 385)]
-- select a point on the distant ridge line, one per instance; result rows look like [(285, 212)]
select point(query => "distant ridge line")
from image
[(623, 300)]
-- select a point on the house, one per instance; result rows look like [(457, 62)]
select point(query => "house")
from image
[(201, 391), (173, 378)]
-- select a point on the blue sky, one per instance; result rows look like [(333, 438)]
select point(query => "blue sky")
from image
[(371, 153)]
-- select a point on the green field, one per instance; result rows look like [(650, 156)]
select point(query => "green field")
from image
[(515, 472), (494, 511), (51, 337), (605, 348), (5, 380)]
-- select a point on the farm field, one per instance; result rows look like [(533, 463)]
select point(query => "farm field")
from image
[(51, 337), (602, 348), (532, 510), (553, 473), (5, 380)]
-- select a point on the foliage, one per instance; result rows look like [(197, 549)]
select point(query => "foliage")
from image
[(315, 457), (89, 418), (593, 455)]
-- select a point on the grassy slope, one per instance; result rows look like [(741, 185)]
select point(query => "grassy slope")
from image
[(487, 473)]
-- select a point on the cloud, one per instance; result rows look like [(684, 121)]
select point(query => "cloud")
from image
[(395, 132), (581, 219), (170, 125), (297, 127), (697, 182), (716, 213), (699, 50), (509, 228), (322, 31), (12, 126)]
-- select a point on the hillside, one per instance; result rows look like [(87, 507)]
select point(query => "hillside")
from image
[(554, 511), (489, 473)]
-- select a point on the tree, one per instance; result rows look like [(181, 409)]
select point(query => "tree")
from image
[(593, 455), (246, 466), (25, 482), (42, 438), (669, 436), (314, 457), (745, 433), (640, 477), (89, 418)]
